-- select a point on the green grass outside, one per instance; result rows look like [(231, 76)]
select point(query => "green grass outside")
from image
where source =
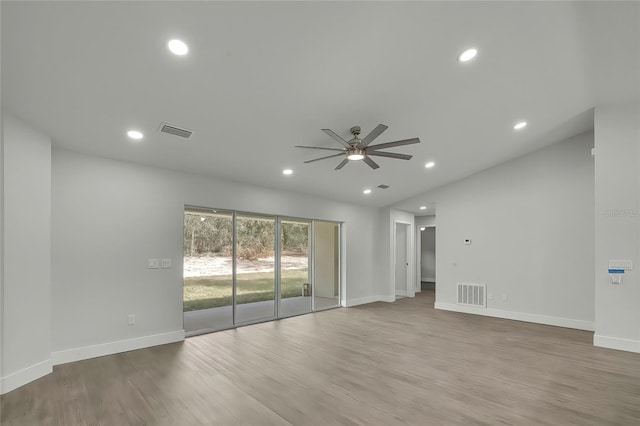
[(215, 291)]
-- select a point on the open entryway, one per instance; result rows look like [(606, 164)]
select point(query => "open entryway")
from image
[(428, 258), (426, 251)]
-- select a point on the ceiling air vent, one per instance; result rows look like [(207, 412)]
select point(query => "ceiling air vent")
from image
[(175, 130), (383, 186)]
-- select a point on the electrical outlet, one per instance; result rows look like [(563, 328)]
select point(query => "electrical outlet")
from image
[(154, 263), (504, 297), (131, 319), (166, 263)]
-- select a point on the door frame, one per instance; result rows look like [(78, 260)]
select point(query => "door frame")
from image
[(409, 285)]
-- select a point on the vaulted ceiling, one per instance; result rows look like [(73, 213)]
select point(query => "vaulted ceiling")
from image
[(261, 77)]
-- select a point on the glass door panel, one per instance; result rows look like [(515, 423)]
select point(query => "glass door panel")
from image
[(326, 265), (207, 270), (295, 274), (255, 268)]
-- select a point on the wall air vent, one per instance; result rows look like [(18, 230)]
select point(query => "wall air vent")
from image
[(383, 186), (175, 130), (472, 295)]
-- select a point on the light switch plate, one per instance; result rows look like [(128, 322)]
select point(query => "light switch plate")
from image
[(154, 263), (166, 263), (621, 264)]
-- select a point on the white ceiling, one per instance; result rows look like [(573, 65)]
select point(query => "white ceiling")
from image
[(263, 77)]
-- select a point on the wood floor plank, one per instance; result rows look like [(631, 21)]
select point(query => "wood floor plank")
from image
[(378, 364)]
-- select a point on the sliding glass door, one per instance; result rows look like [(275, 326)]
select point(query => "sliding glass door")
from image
[(295, 271), (255, 268), (243, 268), (208, 270)]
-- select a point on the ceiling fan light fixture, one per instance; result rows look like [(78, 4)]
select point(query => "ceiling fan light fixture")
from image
[(355, 154)]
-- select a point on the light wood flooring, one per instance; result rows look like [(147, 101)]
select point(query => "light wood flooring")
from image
[(378, 364)]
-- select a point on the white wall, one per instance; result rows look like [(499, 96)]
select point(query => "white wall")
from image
[(383, 261), (428, 254), (26, 332), (425, 221), (531, 224), (617, 225), (109, 217)]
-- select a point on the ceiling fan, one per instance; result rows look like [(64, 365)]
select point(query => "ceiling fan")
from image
[(359, 149)]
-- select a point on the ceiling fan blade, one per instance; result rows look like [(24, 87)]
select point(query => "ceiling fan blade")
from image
[(374, 134), (396, 143), (324, 158), (342, 163), (319, 147), (390, 155), (370, 163), (337, 137)]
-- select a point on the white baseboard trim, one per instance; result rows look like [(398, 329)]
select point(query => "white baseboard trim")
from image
[(616, 343), (369, 299), (519, 316), (94, 351), (24, 376)]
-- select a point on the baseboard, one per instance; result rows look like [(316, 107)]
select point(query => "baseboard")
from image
[(519, 316), (616, 343), (369, 299), (24, 376), (94, 351)]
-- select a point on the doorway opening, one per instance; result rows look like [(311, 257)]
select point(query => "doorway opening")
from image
[(427, 258)]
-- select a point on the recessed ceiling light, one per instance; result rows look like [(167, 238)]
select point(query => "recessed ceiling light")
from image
[(134, 134), (430, 164), (287, 171), (467, 55), (423, 207), (366, 191), (520, 125), (178, 47)]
